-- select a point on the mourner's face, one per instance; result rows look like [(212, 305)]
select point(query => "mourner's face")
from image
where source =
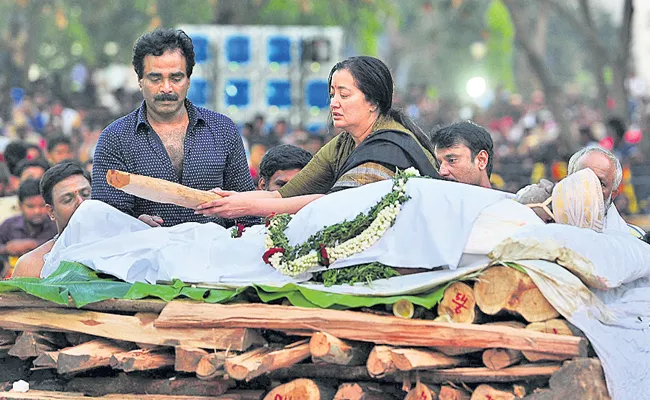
[(33, 210), (456, 163), (67, 196), (278, 179), (350, 109), (605, 171), (164, 83)]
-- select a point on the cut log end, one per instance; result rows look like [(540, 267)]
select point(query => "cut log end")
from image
[(118, 179), (304, 389)]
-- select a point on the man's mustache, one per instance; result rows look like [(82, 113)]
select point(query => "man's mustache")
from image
[(166, 97)]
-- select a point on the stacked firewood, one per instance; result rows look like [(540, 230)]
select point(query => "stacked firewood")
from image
[(496, 338)]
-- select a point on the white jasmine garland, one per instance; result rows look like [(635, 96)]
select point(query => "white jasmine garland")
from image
[(384, 219)]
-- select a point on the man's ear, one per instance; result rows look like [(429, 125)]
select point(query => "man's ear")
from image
[(482, 159), (616, 192), (261, 184), (50, 211)]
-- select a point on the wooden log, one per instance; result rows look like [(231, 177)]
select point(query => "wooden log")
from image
[(23, 300), (364, 391), (507, 289), (408, 359), (456, 351), (136, 384), (263, 360), (354, 326), (303, 389), (188, 358), (49, 395), (496, 359), (142, 360), (455, 375), (158, 190), (452, 393), (459, 304), (90, 355), (128, 328), (76, 338), (380, 361), (555, 327), (33, 344), (47, 360), (329, 349), (487, 392), (422, 391), (211, 366)]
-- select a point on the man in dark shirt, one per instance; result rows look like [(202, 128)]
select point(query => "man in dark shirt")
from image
[(168, 137), (24, 233)]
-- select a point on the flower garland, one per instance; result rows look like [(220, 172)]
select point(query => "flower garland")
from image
[(337, 241)]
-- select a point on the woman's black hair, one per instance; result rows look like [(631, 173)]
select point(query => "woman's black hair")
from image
[(373, 78)]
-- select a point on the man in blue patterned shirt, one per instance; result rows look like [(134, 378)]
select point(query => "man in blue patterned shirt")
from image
[(168, 137)]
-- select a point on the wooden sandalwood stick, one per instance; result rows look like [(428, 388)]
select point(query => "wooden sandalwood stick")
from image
[(452, 393), (327, 348), (47, 360), (188, 358), (211, 366), (487, 392), (553, 326), (262, 360), (422, 392), (458, 304), (496, 359), (408, 359), (89, 355), (33, 344), (507, 289), (380, 361), (364, 391), (142, 360), (303, 389), (158, 190)]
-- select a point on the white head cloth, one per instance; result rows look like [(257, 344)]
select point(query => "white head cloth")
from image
[(578, 201)]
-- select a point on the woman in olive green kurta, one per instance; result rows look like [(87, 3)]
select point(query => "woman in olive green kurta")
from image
[(376, 139)]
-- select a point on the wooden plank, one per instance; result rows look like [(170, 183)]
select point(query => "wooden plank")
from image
[(142, 360), (354, 326), (89, 355), (128, 328), (136, 384), (23, 300), (47, 395), (455, 375)]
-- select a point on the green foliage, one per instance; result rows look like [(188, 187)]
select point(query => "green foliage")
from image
[(500, 44), (365, 273), (70, 279)]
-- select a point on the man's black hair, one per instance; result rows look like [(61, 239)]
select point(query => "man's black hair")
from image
[(158, 42), (57, 140), (37, 162), (29, 188), (14, 153), (281, 158), (58, 173), (469, 134)]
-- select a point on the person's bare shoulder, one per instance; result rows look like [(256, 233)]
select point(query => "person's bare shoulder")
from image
[(31, 264)]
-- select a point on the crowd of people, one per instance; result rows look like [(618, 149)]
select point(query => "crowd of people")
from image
[(50, 150)]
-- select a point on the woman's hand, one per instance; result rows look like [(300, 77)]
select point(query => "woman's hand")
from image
[(228, 207)]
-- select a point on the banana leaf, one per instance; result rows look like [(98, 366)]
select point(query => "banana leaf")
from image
[(70, 279)]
